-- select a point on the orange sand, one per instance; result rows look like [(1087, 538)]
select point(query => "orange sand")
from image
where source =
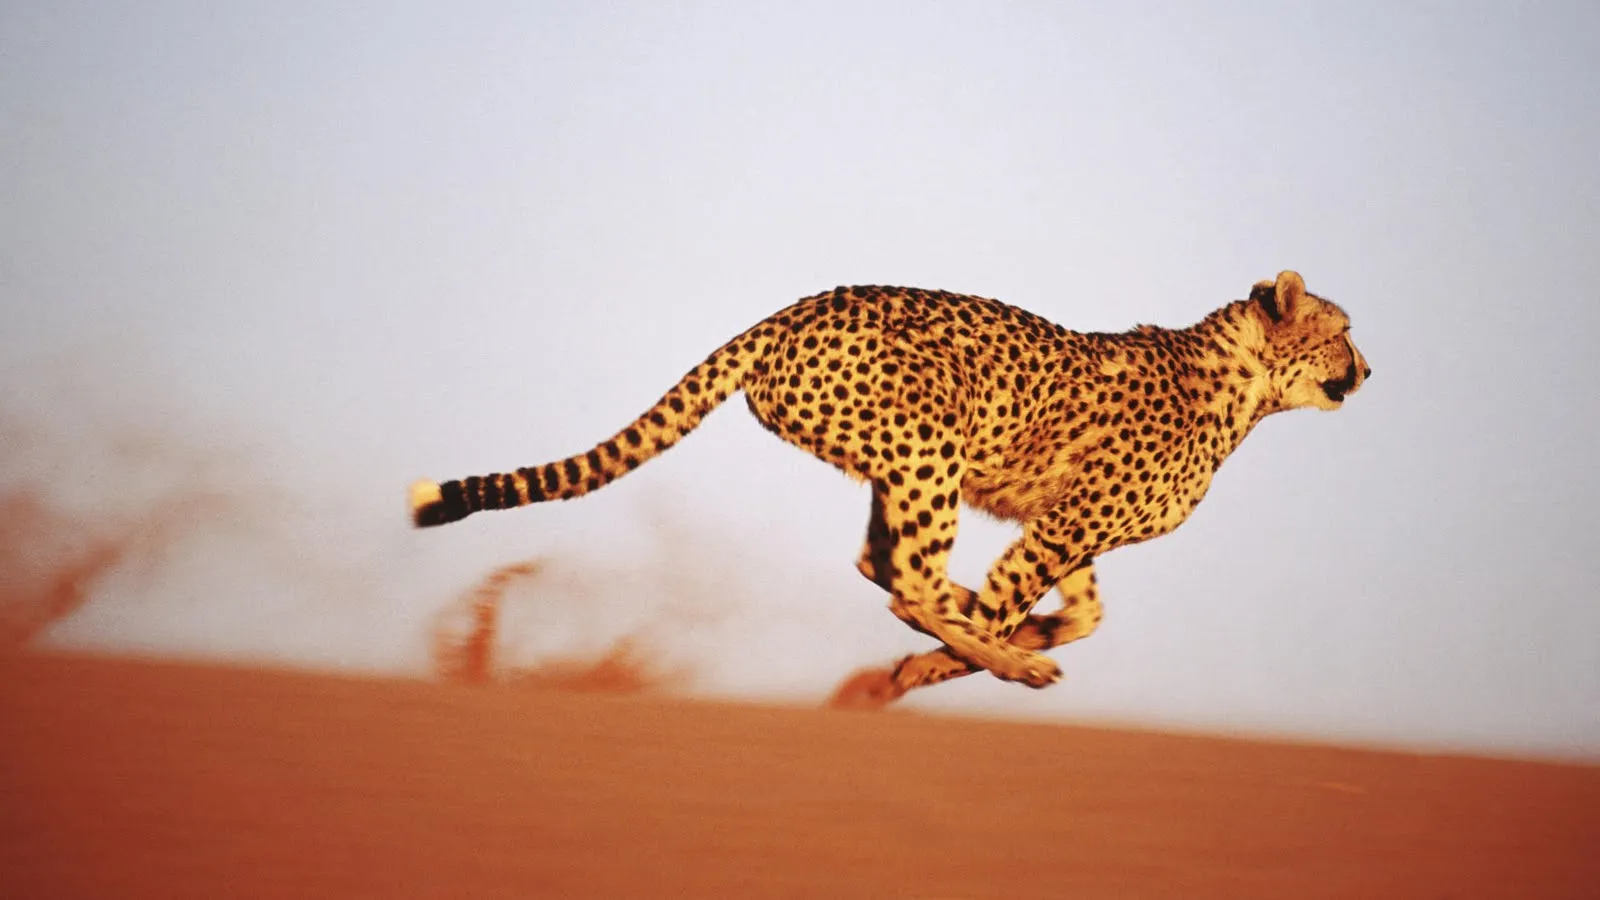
[(133, 779)]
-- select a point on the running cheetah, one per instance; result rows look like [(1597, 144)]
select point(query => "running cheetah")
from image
[(1089, 441)]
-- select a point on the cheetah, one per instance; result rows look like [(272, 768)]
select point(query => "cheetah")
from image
[(1090, 441)]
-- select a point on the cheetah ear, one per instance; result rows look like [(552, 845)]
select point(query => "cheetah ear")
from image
[(1290, 292), (1280, 299)]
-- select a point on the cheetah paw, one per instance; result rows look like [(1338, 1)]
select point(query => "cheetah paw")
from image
[(1033, 669)]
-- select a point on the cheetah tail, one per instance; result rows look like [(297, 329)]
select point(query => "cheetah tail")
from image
[(677, 413)]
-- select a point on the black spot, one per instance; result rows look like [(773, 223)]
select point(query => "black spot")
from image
[(453, 495), (594, 462), (924, 473), (574, 474), (535, 492), (491, 493), (552, 479)]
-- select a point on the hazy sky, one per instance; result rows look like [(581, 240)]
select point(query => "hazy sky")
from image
[(307, 253)]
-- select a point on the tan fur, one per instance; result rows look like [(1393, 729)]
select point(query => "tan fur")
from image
[(1090, 441)]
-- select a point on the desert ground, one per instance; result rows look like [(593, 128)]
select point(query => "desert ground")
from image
[(126, 778)]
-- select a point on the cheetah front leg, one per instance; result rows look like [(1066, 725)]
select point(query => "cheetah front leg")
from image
[(1078, 617)]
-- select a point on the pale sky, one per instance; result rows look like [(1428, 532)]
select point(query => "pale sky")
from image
[(305, 253)]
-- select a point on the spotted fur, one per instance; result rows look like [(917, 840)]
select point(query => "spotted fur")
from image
[(1089, 441)]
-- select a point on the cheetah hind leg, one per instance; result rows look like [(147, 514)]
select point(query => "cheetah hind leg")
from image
[(875, 563)]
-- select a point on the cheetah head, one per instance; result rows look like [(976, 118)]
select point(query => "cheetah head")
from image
[(1308, 351)]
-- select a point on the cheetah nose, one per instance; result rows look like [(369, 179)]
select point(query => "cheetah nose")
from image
[(1366, 372)]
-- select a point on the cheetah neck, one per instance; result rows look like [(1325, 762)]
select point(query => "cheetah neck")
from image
[(1229, 376)]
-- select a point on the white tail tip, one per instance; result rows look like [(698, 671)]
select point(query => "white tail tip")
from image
[(424, 493)]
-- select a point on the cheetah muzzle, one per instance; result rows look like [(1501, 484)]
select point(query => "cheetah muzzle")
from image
[(1089, 441), (1337, 388)]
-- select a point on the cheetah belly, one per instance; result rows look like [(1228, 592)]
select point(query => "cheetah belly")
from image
[(1009, 497)]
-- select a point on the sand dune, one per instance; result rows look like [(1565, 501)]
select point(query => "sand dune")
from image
[(136, 779)]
